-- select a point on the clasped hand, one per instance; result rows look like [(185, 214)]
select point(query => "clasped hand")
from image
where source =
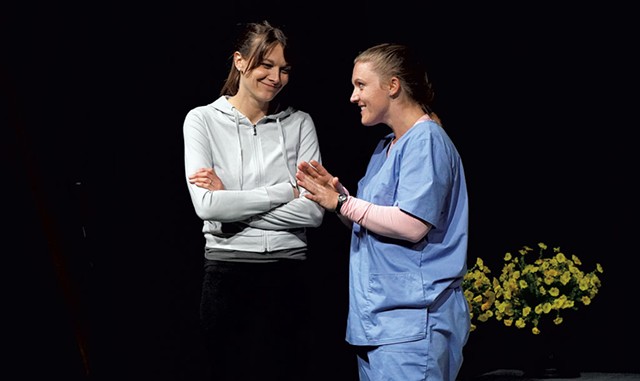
[(322, 187), (206, 178)]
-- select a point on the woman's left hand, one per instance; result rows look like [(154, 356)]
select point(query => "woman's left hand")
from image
[(321, 186)]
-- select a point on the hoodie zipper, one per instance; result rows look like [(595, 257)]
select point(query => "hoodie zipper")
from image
[(255, 132)]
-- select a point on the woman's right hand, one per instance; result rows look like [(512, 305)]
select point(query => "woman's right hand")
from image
[(322, 187), (206, 178)]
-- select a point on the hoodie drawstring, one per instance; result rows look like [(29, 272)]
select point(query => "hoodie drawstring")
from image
[(237, 119), (292, 179)]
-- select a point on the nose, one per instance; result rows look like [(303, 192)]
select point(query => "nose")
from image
[(354, 96), (274, 75)]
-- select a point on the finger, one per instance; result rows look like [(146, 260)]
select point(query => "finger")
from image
[(314, 172), (306, 168), (311, 197), (318, 167), (320, 170), (301, 182), (308, 186), (302, 173)]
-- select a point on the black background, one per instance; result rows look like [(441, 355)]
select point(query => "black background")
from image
[(104, 250)]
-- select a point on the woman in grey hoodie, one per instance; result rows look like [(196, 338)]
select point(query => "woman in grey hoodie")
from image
[(241, 154)]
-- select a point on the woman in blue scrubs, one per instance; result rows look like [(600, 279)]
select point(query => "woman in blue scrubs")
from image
[(408, 316)]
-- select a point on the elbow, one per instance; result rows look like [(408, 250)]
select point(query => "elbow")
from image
[(207, 213), (203, 214), (209, 209), (312, 214), (316, 217), (415, 238), (217, 214), (419, 235)]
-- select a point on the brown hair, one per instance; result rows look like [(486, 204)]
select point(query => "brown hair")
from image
[(254, 43)]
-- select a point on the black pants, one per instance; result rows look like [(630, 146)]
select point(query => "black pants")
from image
[(254, 320)]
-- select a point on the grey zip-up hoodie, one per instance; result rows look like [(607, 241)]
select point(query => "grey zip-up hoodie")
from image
[(257, 164)]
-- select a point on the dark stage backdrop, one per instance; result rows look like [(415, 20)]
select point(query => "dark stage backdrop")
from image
[(104, 250)]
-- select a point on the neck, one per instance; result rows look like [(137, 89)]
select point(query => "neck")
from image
[(408, 119), (253, 110)]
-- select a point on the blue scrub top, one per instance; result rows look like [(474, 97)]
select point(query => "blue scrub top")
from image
[(393, 282)]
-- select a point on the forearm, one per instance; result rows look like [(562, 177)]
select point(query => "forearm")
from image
[(389, 221), (238, 205), (298, 213)]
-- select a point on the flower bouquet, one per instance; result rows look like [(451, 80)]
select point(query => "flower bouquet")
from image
[(533, 285)]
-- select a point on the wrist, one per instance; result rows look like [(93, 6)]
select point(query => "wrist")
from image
[(342, 198)]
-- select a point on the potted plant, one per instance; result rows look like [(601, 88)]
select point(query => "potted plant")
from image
[(534, 289)]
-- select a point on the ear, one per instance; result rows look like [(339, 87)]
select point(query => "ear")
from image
[(394, 87), (238, 61)]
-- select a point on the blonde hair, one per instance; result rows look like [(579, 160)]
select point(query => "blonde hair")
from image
[(396, 60)]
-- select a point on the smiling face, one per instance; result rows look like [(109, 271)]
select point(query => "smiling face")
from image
[(369, 94), (267, 79)]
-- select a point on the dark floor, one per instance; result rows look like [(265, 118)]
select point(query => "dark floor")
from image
[(517, 375)]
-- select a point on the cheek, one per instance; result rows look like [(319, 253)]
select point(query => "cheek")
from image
[(258, 73), (381, 101)]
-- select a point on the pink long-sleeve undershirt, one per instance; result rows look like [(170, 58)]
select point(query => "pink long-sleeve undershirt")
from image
[(389, 221)]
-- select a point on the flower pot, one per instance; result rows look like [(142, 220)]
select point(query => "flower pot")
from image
[(550, 356)]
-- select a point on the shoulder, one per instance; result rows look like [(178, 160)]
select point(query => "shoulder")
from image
[(302, 115), (293, 115), (428, 130), (202, 117), (427, 127), (220, 105)]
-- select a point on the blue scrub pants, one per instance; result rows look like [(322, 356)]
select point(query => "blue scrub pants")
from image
[(437, 357)]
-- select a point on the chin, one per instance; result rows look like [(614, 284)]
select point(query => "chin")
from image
[(366, 122)]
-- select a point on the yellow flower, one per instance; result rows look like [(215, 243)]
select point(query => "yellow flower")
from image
[(531, 285), (479, 293)]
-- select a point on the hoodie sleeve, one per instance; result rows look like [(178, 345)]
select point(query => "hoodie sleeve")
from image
[(300, 212), (223, 205)]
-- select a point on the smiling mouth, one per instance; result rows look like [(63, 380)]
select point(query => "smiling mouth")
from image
[(275, 87)]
